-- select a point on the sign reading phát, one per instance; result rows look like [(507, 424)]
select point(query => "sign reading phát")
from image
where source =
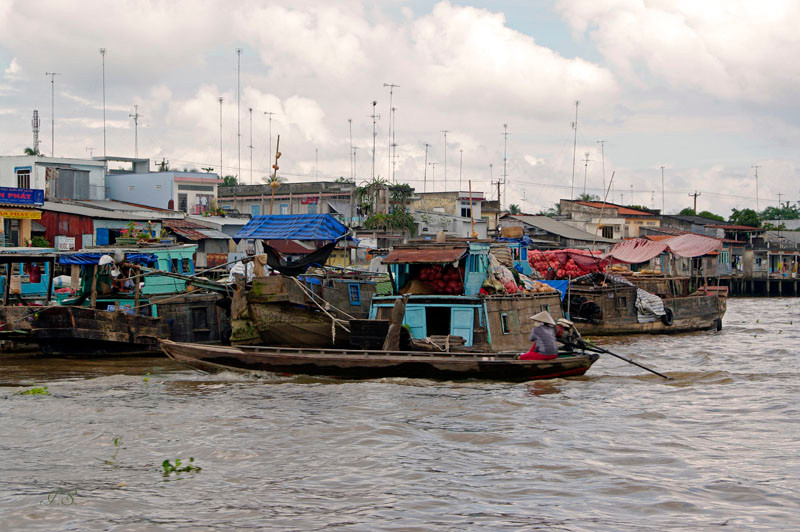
[(21, 196), (15, 214), (65, 243)]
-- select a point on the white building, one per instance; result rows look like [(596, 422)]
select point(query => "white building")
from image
[(59, 177)]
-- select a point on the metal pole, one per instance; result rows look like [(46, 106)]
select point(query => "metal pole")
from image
[(350, 125), (374, 135), (662, 191), (505, 157), (602, 144), (269, 146), (460, 167), (251, 145), (52, 111), (425, 175), (103, 55), (220, 138), (239, 108), (391, 90), (756, 167), (574, 148), (445, 160)]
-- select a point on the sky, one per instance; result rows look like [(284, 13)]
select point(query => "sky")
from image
[(701, 92)]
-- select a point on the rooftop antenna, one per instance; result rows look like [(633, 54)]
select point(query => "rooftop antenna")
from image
[(350, 125), (374, 117), (89, 149), (662, 190), (425, 176), (505, 158), (103, 56), (355, 164), (391, 86), (574, 148), (52, 111), (269, 146), (136, 116), (756, 166), (445, 131), (239, 108), (35, 125), (251, 144), (433, 175), (394, 147), (220, 138), (585, 170), (603, 158)]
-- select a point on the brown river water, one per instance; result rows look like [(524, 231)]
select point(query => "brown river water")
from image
[(717, 448)]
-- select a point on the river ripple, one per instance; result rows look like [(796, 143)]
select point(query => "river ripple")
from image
[(618, 449)]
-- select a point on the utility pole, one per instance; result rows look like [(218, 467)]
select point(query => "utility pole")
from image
[(756, 167), (391, 86), (220, 138), (445, 158), (251, 144), (52, 111), (103, 55), (269, 146), (350, 125), (433, 175), (779, 200), (425, 166), (696, 193), (239, 108), (505, 157), (460, 167), (662, 191), (602, 144), (374, 135), (136, 116), (585, 171), (574, 148)]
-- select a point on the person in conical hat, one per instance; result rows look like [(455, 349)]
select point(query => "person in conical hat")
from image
[(543, 337)]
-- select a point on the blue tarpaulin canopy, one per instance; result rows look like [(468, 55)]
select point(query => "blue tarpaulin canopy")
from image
[(94, 258), (561, 286), (292, 227)]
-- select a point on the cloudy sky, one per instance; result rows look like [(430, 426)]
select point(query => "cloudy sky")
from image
[(705, 89)]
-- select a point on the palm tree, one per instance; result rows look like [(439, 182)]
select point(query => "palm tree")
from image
[(274, 183), (514, 208), (31, 151)]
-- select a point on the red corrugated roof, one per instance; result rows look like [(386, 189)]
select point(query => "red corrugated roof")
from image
[(737, 227), (621, 210), (186, 229), (424, 256)]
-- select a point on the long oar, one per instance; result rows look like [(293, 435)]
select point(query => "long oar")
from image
[(590, 347)]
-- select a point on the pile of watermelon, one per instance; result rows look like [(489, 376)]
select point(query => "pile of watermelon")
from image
[(443, 279)]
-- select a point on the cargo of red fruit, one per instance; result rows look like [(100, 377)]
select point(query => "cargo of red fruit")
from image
[(561, 264), (443, 279)]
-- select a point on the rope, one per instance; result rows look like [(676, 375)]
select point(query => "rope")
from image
[(334, 319), (314, 296)]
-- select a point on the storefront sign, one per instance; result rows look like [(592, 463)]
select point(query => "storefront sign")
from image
[(65, 243), (21, 196), (14, 214)]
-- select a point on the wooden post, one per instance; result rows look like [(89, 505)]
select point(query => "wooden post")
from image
[(7, 287), (136, 293), (52, 265), (93, 298)]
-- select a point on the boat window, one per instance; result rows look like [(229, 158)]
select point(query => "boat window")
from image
[(186, 265), (504, 323), (543, 308), (437, 320), (174, 267), (622, 302), (199, 318), (355, 293)]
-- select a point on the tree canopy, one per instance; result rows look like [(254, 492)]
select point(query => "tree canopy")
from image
[(229, 181), (514, 209), (784, 211), (711, 216), (744, 217), (688, 211)]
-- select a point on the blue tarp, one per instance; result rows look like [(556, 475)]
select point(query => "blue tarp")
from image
[(561, 286), (94, 258), (292, 227)]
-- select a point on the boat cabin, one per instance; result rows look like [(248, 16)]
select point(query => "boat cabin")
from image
[(30, 271), (443, 283)]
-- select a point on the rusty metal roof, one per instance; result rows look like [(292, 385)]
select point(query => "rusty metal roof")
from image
[(424, 256), (194, 231)]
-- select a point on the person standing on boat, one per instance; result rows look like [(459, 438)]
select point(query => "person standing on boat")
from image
[(543, 337)]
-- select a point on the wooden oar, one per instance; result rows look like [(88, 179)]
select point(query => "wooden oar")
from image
[(591, 347)]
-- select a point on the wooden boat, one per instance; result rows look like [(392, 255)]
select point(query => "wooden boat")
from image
[(96, 323), (365, 364), (608, 310)]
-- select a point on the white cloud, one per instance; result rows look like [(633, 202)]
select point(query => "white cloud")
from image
[(13, 72)]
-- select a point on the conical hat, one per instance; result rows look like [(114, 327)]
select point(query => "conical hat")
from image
[(544, 317)]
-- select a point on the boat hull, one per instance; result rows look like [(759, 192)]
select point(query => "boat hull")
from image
[(356, 364)]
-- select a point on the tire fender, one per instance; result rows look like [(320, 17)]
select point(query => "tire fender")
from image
[(667, 318)]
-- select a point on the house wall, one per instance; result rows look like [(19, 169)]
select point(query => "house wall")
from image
[(69, 225), (152, 189), (39, 165)]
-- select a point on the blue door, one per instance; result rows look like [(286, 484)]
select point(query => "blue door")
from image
[(415, 319), (461, 321), (102, 238)]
